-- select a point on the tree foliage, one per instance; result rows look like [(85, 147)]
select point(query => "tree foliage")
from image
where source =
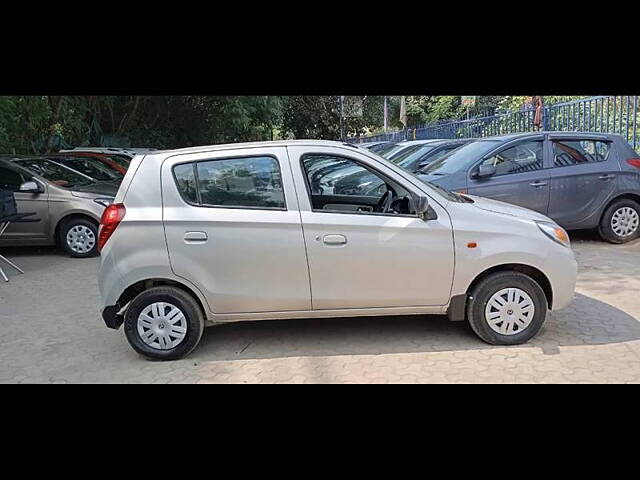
[(35, 124)]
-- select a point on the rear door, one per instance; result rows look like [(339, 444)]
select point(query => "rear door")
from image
[(520, 177), (583, 178), (233, 228)]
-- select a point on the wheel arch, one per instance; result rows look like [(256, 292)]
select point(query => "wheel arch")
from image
[(142, 285), (69, 216), (533, 272), (622, 196)]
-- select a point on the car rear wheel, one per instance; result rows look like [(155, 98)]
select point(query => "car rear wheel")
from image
[(79, 237), (164, 323), (507, 308), (621, 222)]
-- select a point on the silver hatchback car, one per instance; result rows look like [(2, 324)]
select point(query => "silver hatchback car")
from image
[(257, 231)]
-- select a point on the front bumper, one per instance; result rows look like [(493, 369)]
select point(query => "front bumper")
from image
[(111, 317), (561, 268)]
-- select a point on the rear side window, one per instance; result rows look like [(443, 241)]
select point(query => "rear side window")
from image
[(250, 182), (186, 181), (575, 152)]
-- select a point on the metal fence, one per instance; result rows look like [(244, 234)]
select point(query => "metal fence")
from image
[(606, 114)]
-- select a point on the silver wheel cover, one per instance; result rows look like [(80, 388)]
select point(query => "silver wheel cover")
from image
[(162, 326), (81, 239), (624, 222), (509, 311)]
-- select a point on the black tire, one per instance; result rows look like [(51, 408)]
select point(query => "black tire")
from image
[(492, 284), (67, 226), (606, 230), (181, 299)]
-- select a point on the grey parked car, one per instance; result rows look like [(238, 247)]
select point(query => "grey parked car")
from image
[(68, 204), (580, 180)]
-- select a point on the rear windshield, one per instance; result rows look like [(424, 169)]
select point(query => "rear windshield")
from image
[(461, 158)]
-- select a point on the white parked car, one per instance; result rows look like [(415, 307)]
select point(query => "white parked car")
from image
[(227, 233)]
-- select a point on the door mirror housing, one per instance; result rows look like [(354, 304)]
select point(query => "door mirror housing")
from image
[(31, 187), (486, 171), (421, 205)]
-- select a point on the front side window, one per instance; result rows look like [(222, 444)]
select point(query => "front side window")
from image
[(575, 152), (10, 179), (340, 184), (253, 182), (523, 157)]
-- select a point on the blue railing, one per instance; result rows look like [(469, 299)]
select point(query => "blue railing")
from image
[(605, 114)]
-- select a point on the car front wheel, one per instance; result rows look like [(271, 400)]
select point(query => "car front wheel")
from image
[(79, 238), (507, 308)]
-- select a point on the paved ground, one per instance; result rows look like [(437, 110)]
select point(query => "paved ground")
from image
[(51, 332)]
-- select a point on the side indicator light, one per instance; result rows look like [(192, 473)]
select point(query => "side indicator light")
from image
[(472, 245)]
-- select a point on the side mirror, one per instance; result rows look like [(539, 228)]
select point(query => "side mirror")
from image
[(486, 171), (421, 205), (31, 187)]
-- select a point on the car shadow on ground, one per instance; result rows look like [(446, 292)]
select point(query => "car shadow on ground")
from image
[(586, 322)]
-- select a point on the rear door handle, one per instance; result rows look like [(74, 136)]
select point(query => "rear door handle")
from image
[(538, 184), (606, 177), (195, 237), (334, 240)]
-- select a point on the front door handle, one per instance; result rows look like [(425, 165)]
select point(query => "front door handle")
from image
[(538, 184), (606, 177), (195, 237), (334, 240)]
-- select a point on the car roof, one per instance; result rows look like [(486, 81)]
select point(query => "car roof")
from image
[(272, 143), (514, 136)]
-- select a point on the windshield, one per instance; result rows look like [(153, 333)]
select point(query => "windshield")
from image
[(454, 197), (460, 158), (54, 172), (91, 167), (408, 156), (121, 160), (385, 149)]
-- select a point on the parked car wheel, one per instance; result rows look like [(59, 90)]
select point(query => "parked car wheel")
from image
[(507, 308), (621, 222), (164, 323), (79, 237)]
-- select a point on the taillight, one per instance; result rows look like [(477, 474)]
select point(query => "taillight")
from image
[(111, 218), (634, 162)]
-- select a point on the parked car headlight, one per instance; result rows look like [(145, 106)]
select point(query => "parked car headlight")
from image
[(105, 202), (555, 233)]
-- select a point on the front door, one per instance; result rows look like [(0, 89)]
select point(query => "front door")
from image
[(38, 203), (365, 246), (233, 229), (520, 177)]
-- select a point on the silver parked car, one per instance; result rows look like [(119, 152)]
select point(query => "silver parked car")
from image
[(68, 203), (255, 231)]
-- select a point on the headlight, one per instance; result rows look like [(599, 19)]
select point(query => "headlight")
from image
[(555, 233), (105, 202)]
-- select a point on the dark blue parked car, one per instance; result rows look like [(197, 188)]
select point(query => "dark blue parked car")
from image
[(580, 180)]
